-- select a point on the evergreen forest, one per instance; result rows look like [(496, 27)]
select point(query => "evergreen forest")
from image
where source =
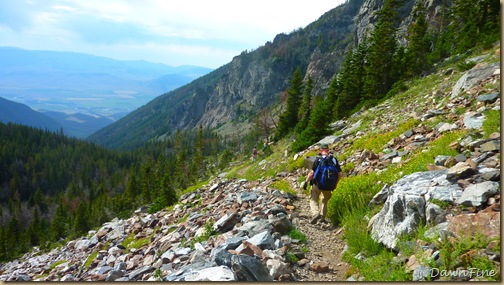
[(54, 188)]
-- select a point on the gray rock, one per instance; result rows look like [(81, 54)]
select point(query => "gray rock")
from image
[(221, 256), (473, 120), (441, 159), (446, 127), (138, 273), (460, 157), (390, 155), (277, 268), (226, 222), (246, 196), (248, 268), (254, 227), (421, 273), (478, 194), (461, 170), (263, 240), (488, 98), (493, 145), (434, 214), (281, 223), (473, 77), (217, 273), (114, 275), (380, 197)]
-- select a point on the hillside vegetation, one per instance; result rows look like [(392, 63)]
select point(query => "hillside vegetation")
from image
[(377, 130), (383, 90)]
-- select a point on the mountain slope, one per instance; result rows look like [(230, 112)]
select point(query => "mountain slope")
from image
[(21, 114), (77, 124), (229, 98), (231, 95), (213, 232)]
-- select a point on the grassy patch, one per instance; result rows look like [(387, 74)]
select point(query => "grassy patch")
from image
[(56, 264), (296, 234), (132, 242), (283, 185), (90, 259), (492, 122)]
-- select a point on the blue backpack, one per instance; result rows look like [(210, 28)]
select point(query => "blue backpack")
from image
[(326, 174)]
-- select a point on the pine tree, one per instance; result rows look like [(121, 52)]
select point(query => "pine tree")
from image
[(350, 82), (305, 108), (418, 46), (131, 189), (59, 223), (289, 118), (381, 51), (198, 159), (181, 165), (81, 220), (319, 121)]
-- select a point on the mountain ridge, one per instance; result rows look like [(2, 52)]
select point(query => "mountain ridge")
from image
[(77, 82), (229, 98)]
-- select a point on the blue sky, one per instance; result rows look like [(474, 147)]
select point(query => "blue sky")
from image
[(206, 33)]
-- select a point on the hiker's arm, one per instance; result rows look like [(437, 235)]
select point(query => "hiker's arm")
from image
[(309, 177)]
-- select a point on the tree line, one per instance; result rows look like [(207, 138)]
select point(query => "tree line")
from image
[(378, 67)]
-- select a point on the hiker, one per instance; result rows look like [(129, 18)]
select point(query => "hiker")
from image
[(319, 213), (254, 153)]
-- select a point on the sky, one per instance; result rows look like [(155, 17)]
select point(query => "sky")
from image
[(206, 33)]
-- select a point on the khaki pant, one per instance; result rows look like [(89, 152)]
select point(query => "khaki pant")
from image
[(314, 201)]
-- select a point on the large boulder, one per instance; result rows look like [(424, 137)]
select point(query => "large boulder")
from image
[(405, 207)]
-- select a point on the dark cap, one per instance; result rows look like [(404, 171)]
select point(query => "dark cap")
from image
[(324, 146)]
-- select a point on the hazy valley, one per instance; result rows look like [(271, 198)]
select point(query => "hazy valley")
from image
[(86, 90)]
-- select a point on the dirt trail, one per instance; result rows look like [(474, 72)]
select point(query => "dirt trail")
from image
[(325, 245)]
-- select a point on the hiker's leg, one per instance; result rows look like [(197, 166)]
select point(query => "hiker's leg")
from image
[(326, 195), (314, 200)]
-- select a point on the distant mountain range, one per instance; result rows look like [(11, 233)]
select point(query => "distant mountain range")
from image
[(73, 125), (95, 86)]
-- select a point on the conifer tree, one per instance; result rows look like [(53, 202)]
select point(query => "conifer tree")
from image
[(289, 118), (59, 223), (181, 165), (198, 160), (381, 52), (319, 121), (131, 188), (350, 82), (305, 108), (81, 221), (418, 46)]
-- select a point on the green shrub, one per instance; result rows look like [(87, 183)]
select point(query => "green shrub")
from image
[(352, 194), (296, 234)]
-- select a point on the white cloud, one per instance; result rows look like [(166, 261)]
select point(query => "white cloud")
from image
[(197, 32)]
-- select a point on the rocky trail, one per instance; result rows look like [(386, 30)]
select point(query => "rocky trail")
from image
[(325, 246)]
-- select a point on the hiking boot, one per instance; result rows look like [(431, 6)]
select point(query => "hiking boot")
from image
[(323, 221), (315, 219)]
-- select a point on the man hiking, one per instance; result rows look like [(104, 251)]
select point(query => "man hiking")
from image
[(324, 177)]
